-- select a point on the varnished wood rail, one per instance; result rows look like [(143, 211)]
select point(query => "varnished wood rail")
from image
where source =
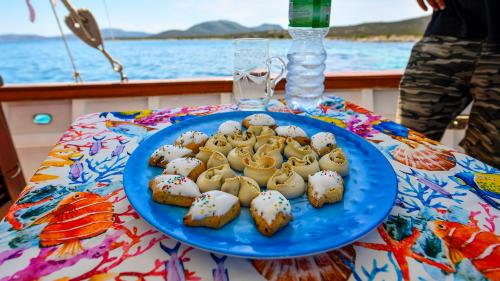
[(92, 90)]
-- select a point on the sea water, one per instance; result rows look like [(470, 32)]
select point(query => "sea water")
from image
[(43, 61)]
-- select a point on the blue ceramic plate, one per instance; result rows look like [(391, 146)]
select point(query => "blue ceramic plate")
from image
[(370, 191)]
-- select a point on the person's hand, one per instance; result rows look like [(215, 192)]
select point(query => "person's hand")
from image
[(435, 4)]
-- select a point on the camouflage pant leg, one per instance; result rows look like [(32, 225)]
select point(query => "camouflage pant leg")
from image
[(482, 139), (436, 85)]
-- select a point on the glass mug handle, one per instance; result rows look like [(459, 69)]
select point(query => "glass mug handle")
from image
[(272, 82)]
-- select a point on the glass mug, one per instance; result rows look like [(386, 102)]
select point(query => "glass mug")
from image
[(253, 85)]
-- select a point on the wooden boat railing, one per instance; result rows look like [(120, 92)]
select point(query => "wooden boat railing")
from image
[(93, 90)]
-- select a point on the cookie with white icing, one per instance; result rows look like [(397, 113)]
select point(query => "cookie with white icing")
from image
[(219, 142), (236, 156), (174, 190), (271, 212), (186, 166), (163, 155), (244, 187), (323, 143), (287, 182), (213, 178), (192, 140), (213, 209), (259, 119), (260, 169), (306, 166), (293, 132), (229, 128), (294, 149), (325, 187), (335, 161)]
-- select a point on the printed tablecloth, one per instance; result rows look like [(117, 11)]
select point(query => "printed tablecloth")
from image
[(443, 224)]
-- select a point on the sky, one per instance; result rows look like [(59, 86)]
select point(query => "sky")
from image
[(159, 15)]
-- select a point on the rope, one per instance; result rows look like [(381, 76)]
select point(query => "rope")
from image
[(76, 74), (109, 19)]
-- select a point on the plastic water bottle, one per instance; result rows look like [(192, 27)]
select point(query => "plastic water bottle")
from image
[(309, 24)]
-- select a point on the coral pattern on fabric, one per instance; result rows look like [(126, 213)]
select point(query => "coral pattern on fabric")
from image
[(74, 222)]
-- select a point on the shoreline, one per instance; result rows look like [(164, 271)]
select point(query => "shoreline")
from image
[(368, 39)]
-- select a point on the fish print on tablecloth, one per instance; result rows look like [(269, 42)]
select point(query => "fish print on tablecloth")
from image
[(127, 115), (174, 268), (119, 149), (486, 186), (429, 183), (219, 273), (78, 216), (481, 247), (96, 145), (129, 129)]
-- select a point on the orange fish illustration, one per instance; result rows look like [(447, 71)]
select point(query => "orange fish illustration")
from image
[(482, 248), (79, 215)]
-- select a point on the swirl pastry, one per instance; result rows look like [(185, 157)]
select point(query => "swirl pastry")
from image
[(293, 132), (287, 182), (260, 169), (236, 156), (270, 151), (188, 167), (276, 141), (213, 209), (271, 212), (259, 119), (229, 128), (261, 131), (216, 159), (247, 139), (335, 161), (304, 167), (323, 143), (325, 187), (205, 153), (244, 187), (219, 142), (174, 190), (192, 140), (294, 149), (167, 153), (213, 178)]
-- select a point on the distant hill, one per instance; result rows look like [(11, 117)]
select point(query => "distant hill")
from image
[(411, 27), (106, 33), (19, 37), (401, 30), (116, 32), (216, 28)]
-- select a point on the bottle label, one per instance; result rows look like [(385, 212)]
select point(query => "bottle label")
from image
[(310, 13)]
